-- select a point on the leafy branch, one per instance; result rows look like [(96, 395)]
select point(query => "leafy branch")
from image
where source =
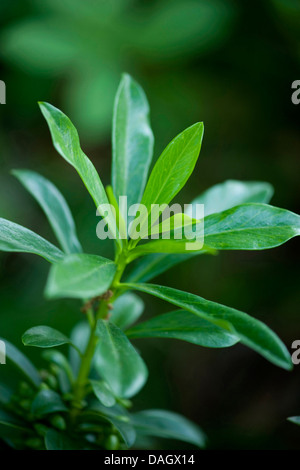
[(83, 401)]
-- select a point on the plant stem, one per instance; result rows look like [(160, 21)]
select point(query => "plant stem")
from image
[(85, 366), (87, 357)]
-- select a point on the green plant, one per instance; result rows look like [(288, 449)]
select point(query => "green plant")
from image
[(83, 401)]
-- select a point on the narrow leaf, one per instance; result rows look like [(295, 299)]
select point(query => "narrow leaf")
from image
[(80, 276), (185, 326), (132, 141), (251, 332), (44, 337), (66, 141), (55, 207), (245, 227), (167, 424), (14, 237), (118, 362), (250, 227), (172, 169)]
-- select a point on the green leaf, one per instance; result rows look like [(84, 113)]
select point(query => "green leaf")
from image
[(251, 332), (167, 424), (294, 419), (244, 227), (13, 428), (55, 440), (46, 402), (103, 392), (185, 326), (55, 207), (57, 358), (132, 141), (66, 141), (232, 193), (127, 309), (116, 415), (117, 361), (44, 337), (64, 374), (174, 166), (250, 227), (176, 223), (79, 336), (22, 363), (172, 169), (80, 276), (14, 237), (220, 197)]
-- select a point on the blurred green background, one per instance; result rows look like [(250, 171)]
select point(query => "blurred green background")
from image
[(228, 63)]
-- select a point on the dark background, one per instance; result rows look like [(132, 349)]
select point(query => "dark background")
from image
[(230, 64)]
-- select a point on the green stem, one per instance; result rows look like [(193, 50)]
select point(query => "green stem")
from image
[(85, 366), (80, 388)]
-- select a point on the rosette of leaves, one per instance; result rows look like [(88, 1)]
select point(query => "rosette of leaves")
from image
[(83, 399)]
